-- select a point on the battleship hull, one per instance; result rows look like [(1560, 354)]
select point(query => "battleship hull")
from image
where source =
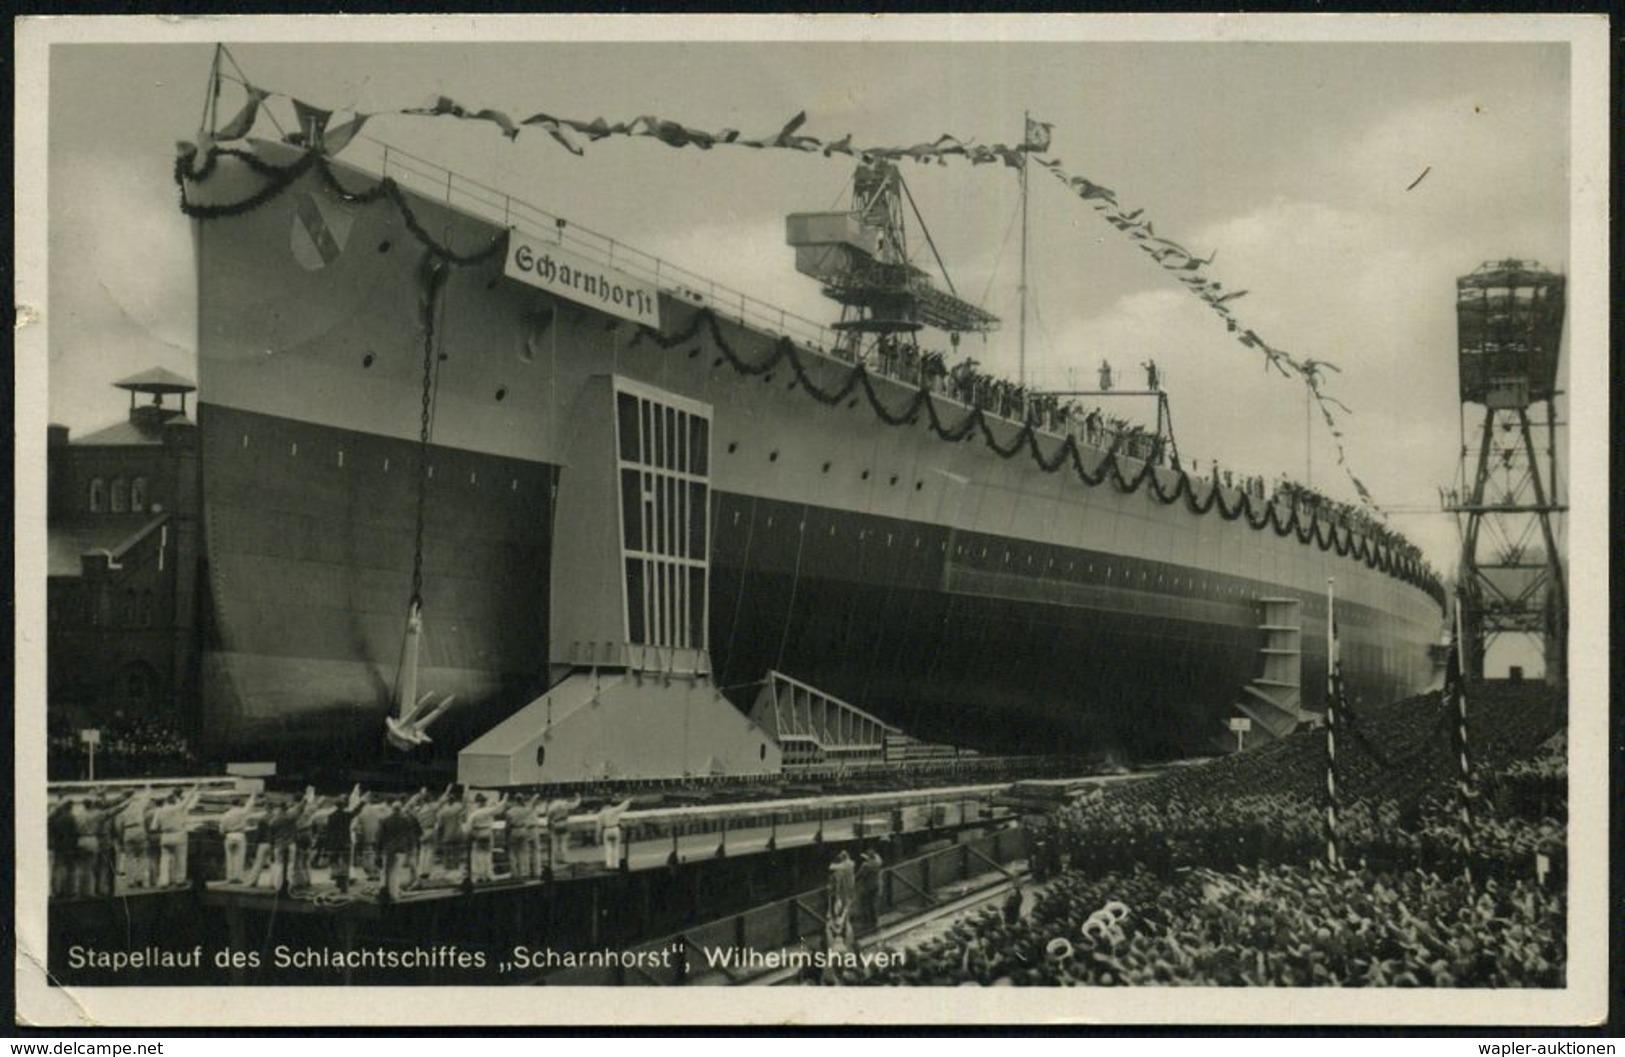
[(956, 588)]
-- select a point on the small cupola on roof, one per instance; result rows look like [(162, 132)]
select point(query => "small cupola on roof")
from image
[(159, 383)]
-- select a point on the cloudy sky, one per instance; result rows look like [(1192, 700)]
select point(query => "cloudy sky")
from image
[(1294, 160)]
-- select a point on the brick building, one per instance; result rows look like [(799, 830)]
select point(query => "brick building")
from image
[(122, 614)]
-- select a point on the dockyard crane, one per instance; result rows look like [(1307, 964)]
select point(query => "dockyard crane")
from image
[(861, 256)]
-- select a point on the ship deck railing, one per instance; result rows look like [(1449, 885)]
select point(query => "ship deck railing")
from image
[(438, 183)]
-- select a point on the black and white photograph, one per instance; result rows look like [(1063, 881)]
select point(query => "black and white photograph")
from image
[(1077, 506)]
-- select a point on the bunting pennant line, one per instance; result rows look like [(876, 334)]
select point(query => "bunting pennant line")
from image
[(1184, 264)]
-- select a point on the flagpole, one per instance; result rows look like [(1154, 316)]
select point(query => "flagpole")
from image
[(1021, 330), (1332, 856), (1464, 762), (210, 95)]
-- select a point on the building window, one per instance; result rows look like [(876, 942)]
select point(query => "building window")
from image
[(138, 493), (98, 495), (121, 495)]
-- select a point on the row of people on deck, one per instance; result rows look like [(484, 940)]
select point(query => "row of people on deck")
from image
[(103, 842), (111, 843), (964, 382)]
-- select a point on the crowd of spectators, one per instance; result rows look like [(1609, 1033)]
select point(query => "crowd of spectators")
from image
[(142, 746), (1536, 786), (1218, 874), (1287, 926)]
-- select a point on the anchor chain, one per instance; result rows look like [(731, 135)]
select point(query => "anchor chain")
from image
[(434, 278)]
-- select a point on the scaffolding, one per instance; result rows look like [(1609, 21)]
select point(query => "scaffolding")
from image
[(1509, 325)]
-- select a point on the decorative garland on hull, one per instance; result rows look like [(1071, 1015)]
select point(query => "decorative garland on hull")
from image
[(1317, 530), (1167, 254)]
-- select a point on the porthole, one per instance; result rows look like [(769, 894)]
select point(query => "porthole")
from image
[(865, 475), (383, 247), (366, 361), (773, 456), (733, 446), (502, 393), (826, 467)]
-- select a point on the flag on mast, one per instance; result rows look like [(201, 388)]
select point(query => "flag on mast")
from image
[(1037, 136)]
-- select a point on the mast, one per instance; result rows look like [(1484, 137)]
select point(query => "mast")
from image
[(211, 97), (1021, 329)]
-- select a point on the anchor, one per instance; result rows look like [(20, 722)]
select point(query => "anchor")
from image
[(409, 727)]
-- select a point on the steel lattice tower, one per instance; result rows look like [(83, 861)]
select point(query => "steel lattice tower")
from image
[(1509, 317)]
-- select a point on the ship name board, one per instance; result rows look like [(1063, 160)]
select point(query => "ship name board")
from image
[(552, 269)]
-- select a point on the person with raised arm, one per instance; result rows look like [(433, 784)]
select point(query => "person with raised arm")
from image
[(135, 857), (522, 828), (558, 821), (481, 826), (338, 837), (234, 825), (367, 821), (62, 841), (395, 841), (426, 816), (284, 834), (609, 832), (448, 829), (172, 824)]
